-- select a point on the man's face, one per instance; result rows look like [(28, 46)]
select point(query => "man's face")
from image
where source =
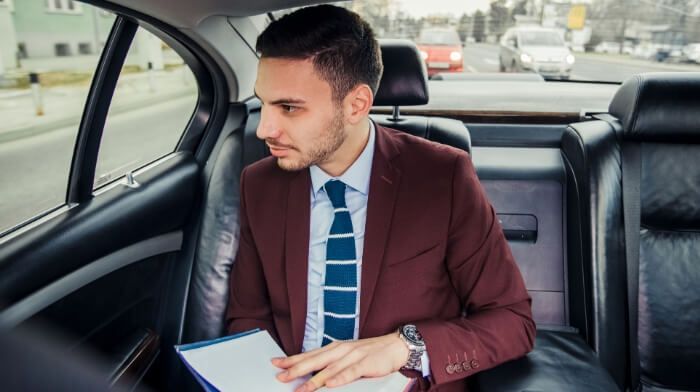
[(300, 122)]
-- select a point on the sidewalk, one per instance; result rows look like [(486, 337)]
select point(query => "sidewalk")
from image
[(63, 106), (627, 60)]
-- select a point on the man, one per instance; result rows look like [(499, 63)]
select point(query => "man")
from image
[(364, 250)]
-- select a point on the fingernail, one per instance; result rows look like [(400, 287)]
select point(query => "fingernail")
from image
[(304, 388), (283, 375)]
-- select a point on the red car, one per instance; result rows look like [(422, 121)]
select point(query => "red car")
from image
[(441, 50)]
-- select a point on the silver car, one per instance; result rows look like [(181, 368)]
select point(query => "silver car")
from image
[(535, 49)]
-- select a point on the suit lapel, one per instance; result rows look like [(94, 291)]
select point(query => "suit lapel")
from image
[(297, 252), (383, 190)]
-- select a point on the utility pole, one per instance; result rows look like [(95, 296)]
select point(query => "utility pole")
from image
[(624, 25)]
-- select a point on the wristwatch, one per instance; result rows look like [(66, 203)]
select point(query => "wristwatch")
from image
[(416, 346)]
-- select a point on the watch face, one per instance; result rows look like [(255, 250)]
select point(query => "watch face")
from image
[(412, 334)]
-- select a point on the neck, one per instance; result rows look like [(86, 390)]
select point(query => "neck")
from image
[(349, 151)]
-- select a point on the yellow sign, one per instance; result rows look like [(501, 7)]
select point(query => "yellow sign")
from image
[(577, 17)]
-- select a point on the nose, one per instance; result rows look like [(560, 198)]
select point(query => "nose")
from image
[(268, 127)]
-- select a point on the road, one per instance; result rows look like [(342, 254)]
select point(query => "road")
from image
[(484, 58), (34, 170)]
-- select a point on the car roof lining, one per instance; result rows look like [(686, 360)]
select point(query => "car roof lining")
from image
[(188, 14)]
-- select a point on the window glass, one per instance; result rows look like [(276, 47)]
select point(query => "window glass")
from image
[(589, 40), (155, 97), (44, 81)]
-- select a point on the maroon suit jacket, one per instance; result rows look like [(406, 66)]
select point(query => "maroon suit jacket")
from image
[(434, 255)]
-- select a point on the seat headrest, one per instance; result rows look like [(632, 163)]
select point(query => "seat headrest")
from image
[(659, 107), (404, 81)]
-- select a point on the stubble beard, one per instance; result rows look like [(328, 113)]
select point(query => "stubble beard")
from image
[(324, 147)]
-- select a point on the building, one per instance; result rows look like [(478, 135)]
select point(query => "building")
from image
[(49, 35)]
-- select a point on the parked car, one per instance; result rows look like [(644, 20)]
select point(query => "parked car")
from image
[(691, 53), (613, 47), (535, 49), (441, 49)]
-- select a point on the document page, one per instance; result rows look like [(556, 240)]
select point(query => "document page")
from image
[(243, 364)]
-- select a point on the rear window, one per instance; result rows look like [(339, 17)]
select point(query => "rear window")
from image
[(540, 38)]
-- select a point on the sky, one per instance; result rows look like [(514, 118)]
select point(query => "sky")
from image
[(455, 7)]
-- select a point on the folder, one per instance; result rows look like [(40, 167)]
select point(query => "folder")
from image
[(241, 362)]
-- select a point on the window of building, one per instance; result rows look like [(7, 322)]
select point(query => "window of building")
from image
[(64, 6), (62, 50), (84, 48)]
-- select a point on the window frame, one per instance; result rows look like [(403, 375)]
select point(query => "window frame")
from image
[(209, 113)]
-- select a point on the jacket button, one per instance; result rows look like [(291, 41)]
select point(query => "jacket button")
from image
[(449, 369), (457, 367), (475, 364), (466, 366)]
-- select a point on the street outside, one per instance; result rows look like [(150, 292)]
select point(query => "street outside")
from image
[(480, 57), (145, 122)]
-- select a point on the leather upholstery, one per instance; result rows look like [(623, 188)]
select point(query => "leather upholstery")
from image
[(404, 81), (591, 150), (217, 245), (438, 129), (670, 197), (561, 361), (660, 111), (659, 107), (669, 293)]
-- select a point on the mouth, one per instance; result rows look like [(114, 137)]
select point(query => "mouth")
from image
[(278, 151)]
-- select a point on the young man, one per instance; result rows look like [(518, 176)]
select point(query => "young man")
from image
[(363, 250)]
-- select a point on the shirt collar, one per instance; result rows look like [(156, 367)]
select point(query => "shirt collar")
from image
[(358, 174)]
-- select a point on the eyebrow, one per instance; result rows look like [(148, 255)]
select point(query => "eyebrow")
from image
[(281, 101)]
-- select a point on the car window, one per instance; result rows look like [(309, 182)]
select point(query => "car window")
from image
[(155, 97), (540, 38), (48, 54)]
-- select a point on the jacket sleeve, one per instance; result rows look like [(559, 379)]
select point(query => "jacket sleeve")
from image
[(496, 325), (249, 302)]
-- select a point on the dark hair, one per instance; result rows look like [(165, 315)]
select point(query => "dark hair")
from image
[(341, 45)]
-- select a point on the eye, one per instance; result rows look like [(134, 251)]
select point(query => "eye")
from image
[(289, 108)]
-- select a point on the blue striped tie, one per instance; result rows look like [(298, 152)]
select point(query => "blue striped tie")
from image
[(340, 290)]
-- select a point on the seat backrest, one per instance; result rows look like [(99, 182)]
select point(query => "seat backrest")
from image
[(405, 83), (658, 111)]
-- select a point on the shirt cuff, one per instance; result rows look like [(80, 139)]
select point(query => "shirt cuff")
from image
[(425, 364)]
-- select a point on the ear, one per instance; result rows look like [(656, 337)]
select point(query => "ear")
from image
[(358, 103)]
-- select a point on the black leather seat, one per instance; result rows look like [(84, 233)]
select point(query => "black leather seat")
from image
[(405, 83), (644, 317)]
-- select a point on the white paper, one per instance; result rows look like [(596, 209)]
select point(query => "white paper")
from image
[(243, 364)]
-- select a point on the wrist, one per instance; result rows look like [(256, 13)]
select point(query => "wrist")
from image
[(400, 350)]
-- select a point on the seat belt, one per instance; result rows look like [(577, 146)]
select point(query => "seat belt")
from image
[(631, 173)]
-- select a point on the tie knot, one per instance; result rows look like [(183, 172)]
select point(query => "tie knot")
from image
[(336, 193)]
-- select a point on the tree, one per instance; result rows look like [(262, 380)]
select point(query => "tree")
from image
[(463, 27), (479, 28), (499, 18), (519, 9)]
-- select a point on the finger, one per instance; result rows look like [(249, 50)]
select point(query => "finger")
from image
[(348, 375), (286, 362), (319, 380), (316, 362)]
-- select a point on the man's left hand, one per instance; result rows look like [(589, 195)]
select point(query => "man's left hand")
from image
[(343, 362)]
